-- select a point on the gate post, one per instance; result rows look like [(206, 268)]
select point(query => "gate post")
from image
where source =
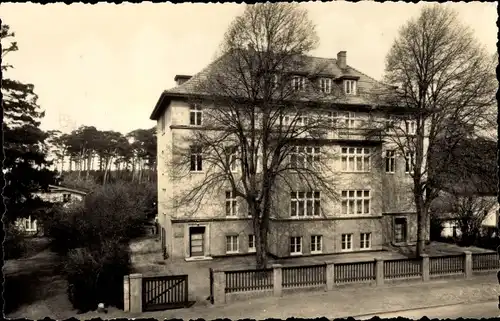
[(219, 287), (135, 285), (468, 264), (126, 293)]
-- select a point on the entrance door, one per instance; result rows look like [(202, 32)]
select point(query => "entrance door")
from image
[(197, 241), (400, 230)]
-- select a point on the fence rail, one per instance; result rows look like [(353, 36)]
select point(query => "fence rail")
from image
[(249, 280), (485, 261), (402, 268), (302, 276), (354, 272), (443, 265)]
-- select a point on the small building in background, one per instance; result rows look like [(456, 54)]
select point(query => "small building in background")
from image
[(55, 194)]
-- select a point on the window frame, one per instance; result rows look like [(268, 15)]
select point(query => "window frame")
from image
[(364, 239), (298, 83), (355, 199), (409, 162), (390, 161), (314, 200), (325, 85), (308, 156), (196, 159), (346, 157), (231, 204), (347, 241), (251, 237), (195, 115), (352, 85), (411, 127), (317, 244), (295, 245), (229, 243)]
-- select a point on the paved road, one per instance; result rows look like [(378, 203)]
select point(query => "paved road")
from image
[(473, 310)]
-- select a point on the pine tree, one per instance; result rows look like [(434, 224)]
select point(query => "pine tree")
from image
[(26, 168)]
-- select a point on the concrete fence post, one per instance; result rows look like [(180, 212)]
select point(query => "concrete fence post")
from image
[(126, 293), (330, 275), (135, 286), (277, 279), (219, 287), (379, 271), (425, 267), (468, 264)]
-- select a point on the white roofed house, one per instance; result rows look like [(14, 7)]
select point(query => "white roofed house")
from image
[(56, 195)]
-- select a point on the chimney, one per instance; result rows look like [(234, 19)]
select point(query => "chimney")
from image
[(342, 59), (180, 79)]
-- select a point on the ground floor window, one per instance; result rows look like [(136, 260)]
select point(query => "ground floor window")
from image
[(400, 229), (365, 241), (346, 242), (316, 244), (231, 244), (29, 224), (251, 243), (296, 245)]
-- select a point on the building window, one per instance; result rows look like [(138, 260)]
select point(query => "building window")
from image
[(411, 127), (298, 83), (410, 161), (350, 87), (355, 202), (195, 115), (304, 204), (365, 241), (346, 242), (296, 245), (231, 204), (325, 85), (400, 229), (251, 243), (333, 117), (316, 244), (355, 159), (232, 244), (347, 119), (304, 157), (66, 198), (232, 157), (390, 161), (196, 159)]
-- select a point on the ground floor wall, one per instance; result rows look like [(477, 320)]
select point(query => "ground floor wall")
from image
[(209, 238)]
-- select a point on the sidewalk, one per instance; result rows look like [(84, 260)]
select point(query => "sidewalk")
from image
[(339, 303)]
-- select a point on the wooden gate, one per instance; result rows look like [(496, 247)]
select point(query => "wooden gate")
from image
[(211, 285), (164, 292)]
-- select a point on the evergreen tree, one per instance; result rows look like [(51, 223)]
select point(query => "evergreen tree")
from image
[(26, 168)]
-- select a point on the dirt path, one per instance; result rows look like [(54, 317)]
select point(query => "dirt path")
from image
[(35, 288)]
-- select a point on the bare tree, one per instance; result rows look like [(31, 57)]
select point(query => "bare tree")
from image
[(445, 85), (263, 132)]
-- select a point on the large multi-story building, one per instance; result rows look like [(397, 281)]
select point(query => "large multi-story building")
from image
[(375, 204)]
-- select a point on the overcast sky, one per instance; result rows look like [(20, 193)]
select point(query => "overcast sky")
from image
[(106, 65)]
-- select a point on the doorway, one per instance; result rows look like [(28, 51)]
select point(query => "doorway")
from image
[(196, 241), (400, 226)]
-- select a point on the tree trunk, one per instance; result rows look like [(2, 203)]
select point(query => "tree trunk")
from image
[(260, 231), (421, 223)]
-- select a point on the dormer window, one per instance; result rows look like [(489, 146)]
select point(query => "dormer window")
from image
[(195, 115), (350, 87), (325, 85), (298, 83)]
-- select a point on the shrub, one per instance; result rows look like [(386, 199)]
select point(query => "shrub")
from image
[(14, 245), (112, 212), (96, 276)]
